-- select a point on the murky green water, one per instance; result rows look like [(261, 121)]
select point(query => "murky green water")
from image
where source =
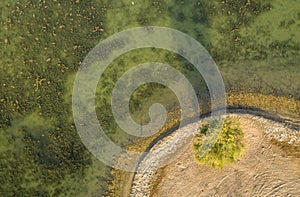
[(42, 43)]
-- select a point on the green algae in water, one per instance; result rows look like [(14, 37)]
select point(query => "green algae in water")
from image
[(42, 43)]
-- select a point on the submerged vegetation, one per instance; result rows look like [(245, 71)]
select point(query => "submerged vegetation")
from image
[(42, 44), (228, 146)]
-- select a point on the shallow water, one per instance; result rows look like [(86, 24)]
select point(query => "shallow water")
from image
[(42, 44)]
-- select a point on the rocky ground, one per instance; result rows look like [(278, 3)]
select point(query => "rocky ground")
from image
[(266, 168)]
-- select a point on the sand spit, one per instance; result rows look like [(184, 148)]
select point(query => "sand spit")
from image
[(267, 167)]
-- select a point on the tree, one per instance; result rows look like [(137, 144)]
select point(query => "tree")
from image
[(228, 146)]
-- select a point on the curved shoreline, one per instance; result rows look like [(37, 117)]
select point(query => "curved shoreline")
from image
[(229, 110), (279, 108), (237, 110)]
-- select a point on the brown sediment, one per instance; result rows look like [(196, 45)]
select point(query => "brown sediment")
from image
[(289, 149), (122, 183), (279, 105)]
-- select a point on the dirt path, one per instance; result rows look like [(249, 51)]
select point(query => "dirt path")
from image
[(263, 170)]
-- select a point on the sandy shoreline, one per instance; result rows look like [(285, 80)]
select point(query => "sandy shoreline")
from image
[(143, 180)]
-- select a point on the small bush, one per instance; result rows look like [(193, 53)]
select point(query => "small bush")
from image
[(228, 146)]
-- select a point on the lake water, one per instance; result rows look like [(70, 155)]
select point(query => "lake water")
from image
[(254, 43)]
